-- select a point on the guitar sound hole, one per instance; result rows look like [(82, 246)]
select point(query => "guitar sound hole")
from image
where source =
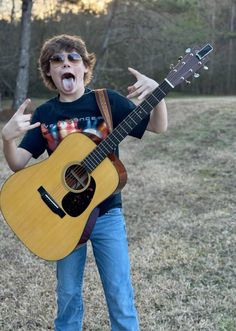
[(76, 178)]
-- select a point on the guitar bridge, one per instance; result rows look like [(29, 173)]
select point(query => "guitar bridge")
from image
[(50, 202)]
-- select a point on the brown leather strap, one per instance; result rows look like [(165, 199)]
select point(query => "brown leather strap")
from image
[(104, 106), (89, 226)]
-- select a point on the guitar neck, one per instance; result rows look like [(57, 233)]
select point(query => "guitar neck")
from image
[(109, 145)]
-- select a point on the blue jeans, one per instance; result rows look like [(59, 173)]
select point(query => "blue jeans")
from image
[(110, 249)]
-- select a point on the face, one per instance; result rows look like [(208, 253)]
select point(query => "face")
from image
[(67, 71)]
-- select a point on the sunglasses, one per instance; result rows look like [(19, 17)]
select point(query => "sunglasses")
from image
[(58, 59)]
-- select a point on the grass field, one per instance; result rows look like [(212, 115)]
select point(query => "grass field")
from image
[(180, 207)]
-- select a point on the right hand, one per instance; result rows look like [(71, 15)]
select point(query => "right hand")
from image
[(19, 123)]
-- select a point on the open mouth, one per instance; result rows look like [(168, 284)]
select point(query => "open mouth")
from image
[(68, 75), (68, 80)]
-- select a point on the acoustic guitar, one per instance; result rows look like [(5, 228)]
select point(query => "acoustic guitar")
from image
[(49, 204)]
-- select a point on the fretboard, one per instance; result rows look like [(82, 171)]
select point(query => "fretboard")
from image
[(109, 145)]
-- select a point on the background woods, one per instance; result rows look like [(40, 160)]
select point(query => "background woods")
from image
[(148, 35)]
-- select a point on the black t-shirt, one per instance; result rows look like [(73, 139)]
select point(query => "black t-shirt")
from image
[(58, 119)]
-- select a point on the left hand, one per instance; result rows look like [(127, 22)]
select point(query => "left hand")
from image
[(143, 86)]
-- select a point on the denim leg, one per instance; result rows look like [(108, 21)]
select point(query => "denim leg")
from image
[(110, 249), (70, 271)]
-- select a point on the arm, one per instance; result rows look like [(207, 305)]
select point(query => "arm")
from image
[(17, 157), (144, 86)]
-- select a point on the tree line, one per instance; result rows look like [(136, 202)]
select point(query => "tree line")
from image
[(148, 35)]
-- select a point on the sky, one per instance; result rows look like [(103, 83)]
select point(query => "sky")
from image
[(43, 8)]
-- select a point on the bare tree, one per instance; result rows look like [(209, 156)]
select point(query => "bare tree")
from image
[(106, 39), (13, 11), (23, 68), (232, 19), (0, 102)]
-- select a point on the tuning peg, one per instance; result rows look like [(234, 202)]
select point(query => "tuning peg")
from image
[(187, 82), (188, 50), (180, 58), (205, 68), (196, 75), (171, 66)]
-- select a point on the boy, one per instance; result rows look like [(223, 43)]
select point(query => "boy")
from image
[(67, 66)]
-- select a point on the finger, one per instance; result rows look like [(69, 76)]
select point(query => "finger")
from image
[(23, 107), (138, 84), (143, 95), (134, 92), (25, 117), (26, 125), (131, 89), (135, 87), (33, 126), (146, 90), (131, 95), (134, 72)]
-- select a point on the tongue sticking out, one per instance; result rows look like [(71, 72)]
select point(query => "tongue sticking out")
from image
[(68, 83)]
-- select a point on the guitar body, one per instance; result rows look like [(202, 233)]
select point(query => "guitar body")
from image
[(42, 204)]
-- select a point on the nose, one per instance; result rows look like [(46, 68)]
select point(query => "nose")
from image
[(66, 62)]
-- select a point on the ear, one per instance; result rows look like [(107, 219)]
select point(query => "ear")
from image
[(85, 68)]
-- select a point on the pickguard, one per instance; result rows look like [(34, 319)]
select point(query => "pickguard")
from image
[(74, 204)]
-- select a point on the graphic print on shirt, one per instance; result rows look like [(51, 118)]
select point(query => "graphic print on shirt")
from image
[(55, 132)]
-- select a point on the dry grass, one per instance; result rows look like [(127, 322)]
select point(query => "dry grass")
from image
[(180, 211)]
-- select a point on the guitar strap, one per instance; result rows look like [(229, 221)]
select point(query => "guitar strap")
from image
[(105, 109)]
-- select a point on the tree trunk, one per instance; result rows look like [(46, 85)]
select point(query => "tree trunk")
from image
[(13, 11), (231, 56), (23, 68), (0, 102), (106, 40)]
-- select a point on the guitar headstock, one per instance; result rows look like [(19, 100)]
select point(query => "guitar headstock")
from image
[(187, 66)]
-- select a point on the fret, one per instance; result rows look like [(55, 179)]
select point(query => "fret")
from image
[(106, 146), (86, 166), (95, 157), (99, 152), (116, 138), (125, 132), (122, 137)]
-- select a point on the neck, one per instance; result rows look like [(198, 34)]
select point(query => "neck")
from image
[(71, 97)]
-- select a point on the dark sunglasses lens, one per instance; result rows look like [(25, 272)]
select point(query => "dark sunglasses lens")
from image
[(74, 57), (58, 58)]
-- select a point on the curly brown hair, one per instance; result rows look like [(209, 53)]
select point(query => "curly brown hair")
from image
[(65, 43)]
